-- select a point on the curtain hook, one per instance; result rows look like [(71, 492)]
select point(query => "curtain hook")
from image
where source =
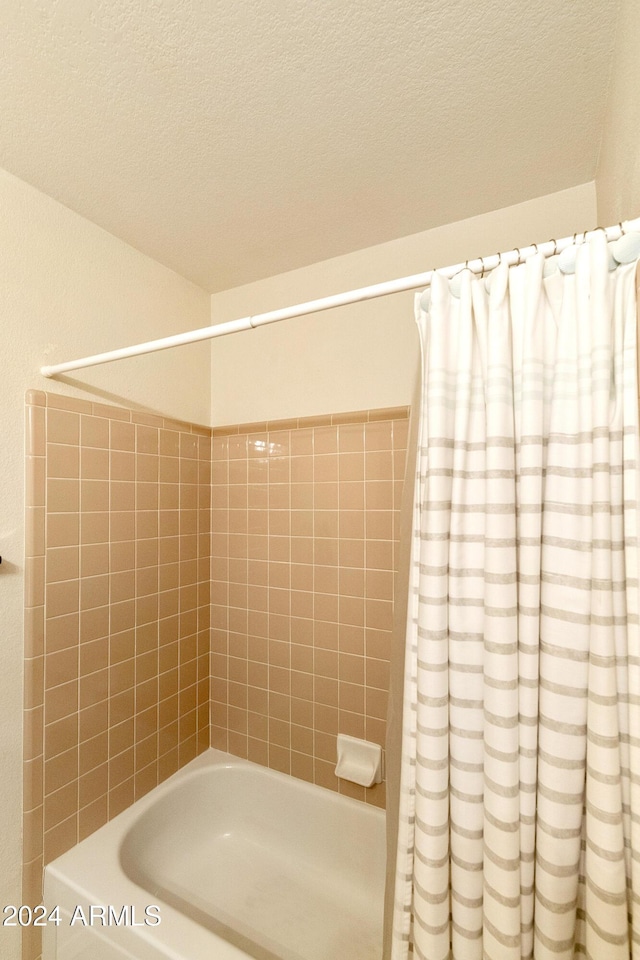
[(519, 257), (555, 247)]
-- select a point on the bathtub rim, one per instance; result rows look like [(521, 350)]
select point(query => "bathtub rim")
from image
[(72, 879)]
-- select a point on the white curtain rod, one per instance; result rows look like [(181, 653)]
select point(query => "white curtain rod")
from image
[(549, 248)]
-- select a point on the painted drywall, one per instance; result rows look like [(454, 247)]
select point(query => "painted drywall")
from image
[(618, 177), (68, 288), (362, 356)]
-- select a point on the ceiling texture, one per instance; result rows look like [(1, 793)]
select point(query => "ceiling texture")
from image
[(236, 139)]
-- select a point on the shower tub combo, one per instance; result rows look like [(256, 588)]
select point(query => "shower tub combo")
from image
[(224, 860)]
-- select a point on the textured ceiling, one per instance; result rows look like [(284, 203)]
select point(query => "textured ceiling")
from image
[(235, 139)]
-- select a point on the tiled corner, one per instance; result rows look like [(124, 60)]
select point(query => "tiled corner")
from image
[(184, 587)]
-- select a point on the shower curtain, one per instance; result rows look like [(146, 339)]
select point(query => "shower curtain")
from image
[(519, 817)]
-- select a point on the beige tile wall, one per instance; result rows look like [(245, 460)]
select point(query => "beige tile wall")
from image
[(305, 517), (116, 615), (122, 662)]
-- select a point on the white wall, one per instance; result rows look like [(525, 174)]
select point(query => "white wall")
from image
[(361, 356), (67, 289), (618, 178)]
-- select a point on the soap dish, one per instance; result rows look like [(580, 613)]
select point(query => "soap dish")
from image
[(359, 761)]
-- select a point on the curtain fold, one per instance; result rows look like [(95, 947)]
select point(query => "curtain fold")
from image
[(393, 739), (519, 808)]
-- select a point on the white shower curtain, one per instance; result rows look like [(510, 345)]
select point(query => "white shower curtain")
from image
[(519, 831)]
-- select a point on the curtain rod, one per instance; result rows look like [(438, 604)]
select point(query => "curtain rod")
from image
[(414, 282)]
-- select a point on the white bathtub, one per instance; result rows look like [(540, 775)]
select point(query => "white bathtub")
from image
[(241, 861)]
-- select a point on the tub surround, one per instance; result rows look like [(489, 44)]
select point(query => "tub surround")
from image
[(149, 637)]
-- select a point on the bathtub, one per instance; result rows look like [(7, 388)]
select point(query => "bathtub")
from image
[(225, 860)]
